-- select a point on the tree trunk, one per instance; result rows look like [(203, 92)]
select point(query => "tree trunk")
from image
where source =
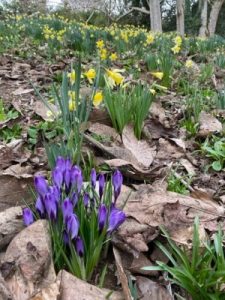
[(214, 14), (203, 31), (180, 16), (155, 15)]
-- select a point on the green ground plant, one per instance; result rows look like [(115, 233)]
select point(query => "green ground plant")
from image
[(201, 274), (214, 149), (128, 105)]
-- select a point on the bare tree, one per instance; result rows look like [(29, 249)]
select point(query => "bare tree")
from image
[(203, 31), (180, 16), (214, 14)]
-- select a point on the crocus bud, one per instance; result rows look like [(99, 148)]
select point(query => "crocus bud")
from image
[(86, 199), (57, 177), (117, 181), (101, 181), (65, 237), (60, 163), (67, 209), (67, 179), (116, 218), (72, 226), (40, 207), (93, 178), (79, 246), (51, 206), (102, 216), (28, 217), (41, 185), (74, 199), (76, 178)]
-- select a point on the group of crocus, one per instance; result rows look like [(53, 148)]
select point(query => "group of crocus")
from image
[(82, 215)]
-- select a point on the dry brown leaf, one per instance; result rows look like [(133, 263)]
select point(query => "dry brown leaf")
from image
[(208, 124), (188, 166), (73, 288), (121, 274), (167, 151), (176, 212), (158, 112), (148, 289), (22, 91), (105, 131), (180, 143), (141, 150), (13, 191), (42, 110)]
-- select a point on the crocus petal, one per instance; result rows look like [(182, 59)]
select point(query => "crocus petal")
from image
[(60, 163), (102, 216), (41, 185), (74, 199), (77, 178), (28, 217), (79, 246), (67, 178), (40, 207), (101, 185), (57, 177), (67, 209), (86, 199), (72, 226), (117, 180), (93, 178), (51, 206), (116, 218)]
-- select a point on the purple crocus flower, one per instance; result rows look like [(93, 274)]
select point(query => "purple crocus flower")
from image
[(60, 163), (41, 185), (68, 164), (56, 192), (101, 181), (102, 216), (79, 246), (74, 199), (117, 181), (28, 217), (50, 206), (67, 179), (86, 199), (40, 207), (76, 178), (116, 218), (93, 178), (65, 237), (67, 209), (72, 226), (57, 177)]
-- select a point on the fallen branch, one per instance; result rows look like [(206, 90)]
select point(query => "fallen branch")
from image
[(142, 10)]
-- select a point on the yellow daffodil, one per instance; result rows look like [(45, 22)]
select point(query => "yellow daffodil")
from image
[(90, 74), (72, 105), (72, 77), (98, 98), (178, 40), (153, 91), (176, 49), (149, 39), (158, 75), (72, 95), (115, 76), (100, 44), (113, 56), (189, 63), (103, 54)]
